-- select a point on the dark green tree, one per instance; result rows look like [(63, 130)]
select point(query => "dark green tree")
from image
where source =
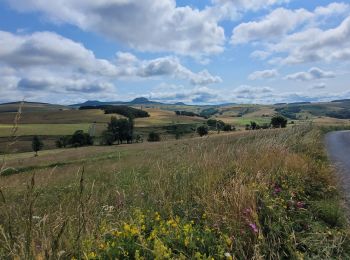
[(153, 137), (62, 142), (107, 138), (79, 138), (279, 121), (37, 145), (122, 129), (202, 130)]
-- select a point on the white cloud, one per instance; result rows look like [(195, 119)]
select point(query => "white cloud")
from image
[(312, 74), (146, 25), (263, 74), (276, 24), (249, 4), (261, 55), (49, 49), (319, 86), (282, 21), (41, 64)]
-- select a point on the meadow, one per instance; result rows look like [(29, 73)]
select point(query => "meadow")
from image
[(267, 194)]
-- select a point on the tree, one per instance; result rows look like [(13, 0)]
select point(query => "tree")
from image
[(79, 138), (227, 128), (153, 137), (279, 121), (122, 129), (107, 138), (37, 145), (253, 125), (62, 142), (202, 130)]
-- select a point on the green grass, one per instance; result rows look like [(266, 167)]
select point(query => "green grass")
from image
[(43, 129), (255, 195)]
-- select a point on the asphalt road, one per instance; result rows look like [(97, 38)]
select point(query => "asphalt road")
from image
[(338, 147)]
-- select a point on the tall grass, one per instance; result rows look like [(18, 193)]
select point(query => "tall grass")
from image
[(262, 195)]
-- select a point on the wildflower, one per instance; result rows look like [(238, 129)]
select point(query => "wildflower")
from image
[(277, 189), (300, 205), (228, 256), (253, 227)]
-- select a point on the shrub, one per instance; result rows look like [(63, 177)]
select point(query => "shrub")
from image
[(153, 137)]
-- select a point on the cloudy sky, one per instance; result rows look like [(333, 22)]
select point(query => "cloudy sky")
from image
[(198, 52)]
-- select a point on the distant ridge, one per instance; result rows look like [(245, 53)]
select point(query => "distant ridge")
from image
[(340, 100), (136, 101)]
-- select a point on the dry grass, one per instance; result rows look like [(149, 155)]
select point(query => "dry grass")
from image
[(62, 210)]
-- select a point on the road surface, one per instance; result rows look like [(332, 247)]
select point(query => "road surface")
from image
[(338, 147)]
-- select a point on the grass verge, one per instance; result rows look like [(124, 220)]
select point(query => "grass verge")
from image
[(263, 195)]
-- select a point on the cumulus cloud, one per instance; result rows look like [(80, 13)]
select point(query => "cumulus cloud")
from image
[(49, 49), (282, 21), (277, 23), (46, 61), (174, 93), (299, 36), (249, 4), (312, 74), (263, 74), (146, 25)]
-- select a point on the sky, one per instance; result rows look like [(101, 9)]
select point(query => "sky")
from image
[(192, 51)]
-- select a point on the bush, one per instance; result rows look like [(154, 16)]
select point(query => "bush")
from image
[(153, 137), (279, 121), (202, 130)]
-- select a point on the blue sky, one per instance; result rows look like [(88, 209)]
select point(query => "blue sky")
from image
[(198, 52)]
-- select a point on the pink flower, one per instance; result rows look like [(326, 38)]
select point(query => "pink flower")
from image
[(253, 227), (300, 205)]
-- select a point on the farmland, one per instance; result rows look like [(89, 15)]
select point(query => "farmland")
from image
[(242, 194), (176, 182)]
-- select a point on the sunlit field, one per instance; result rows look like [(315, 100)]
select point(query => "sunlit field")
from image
[(261, 194)]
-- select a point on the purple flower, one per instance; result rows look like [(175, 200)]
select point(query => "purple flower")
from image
[(300, 205), (277, 189), (253, 227)]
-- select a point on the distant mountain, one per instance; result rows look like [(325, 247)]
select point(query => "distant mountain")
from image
[(141, 100), (341, 100), (180, 104), (136, 101), (90, 103), (299, 103)]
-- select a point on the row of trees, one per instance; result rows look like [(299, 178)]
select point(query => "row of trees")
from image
[(277, 121), (122, 130)]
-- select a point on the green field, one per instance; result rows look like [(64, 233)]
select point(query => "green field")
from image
[(43, 129)]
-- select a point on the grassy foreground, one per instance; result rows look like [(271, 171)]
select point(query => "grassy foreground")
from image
[(261, 195)]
